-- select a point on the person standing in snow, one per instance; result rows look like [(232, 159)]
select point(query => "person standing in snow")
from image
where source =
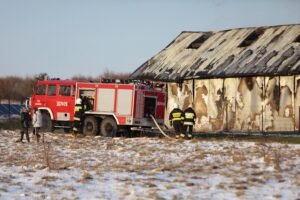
[(37, 123), (176, 117), (25, 121), (189, 121)]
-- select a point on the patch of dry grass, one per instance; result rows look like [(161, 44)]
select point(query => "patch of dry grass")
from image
[(238, 158), (110, 145), (296, 181), (169, 186), (49, 178), (240, 192), (221, 185), (277, 196), (86, 177)]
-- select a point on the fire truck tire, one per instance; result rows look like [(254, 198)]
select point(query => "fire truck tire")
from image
[(90, 126), (108, 127), (47, 122)]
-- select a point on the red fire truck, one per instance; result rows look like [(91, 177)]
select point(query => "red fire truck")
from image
[(114, 105)]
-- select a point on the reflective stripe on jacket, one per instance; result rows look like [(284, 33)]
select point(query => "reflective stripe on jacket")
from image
[(189, 115), (176, 115), (78, 112), (188, 123)]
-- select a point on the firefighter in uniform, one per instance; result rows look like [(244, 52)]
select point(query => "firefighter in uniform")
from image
[(189, 121), (87, 103), (78, 117), (176, 117)]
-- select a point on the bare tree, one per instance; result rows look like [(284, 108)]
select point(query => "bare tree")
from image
[(15, 88), (82, 78), (109, 74)]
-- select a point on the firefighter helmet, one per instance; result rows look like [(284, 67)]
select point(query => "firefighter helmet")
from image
[(78, 101)]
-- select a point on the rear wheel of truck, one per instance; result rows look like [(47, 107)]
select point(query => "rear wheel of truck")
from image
[(108, 127), (90, 126)]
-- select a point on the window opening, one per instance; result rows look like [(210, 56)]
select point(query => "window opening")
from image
[(65, 90), (41, 90), (51, 90)]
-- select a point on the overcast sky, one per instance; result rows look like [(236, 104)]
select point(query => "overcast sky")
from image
[(71, 37)]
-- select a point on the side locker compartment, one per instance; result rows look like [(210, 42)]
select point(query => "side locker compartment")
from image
[(124, 102), (105, 100)]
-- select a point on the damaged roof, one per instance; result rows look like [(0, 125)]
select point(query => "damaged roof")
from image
[(257, 51)]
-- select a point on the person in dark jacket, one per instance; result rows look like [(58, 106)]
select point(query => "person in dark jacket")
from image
[(86, 103), (25, 122), (189, 121), (176, 117)]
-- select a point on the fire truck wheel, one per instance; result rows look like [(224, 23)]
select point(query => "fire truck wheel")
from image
[(47, 123), (90, 126), (108, 127)]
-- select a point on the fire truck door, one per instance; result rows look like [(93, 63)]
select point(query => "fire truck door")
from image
[(64, 101), (39, 98)]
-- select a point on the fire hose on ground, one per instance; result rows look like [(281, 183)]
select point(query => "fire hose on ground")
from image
[(162, 132)]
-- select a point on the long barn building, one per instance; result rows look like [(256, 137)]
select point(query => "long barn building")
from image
[(238, 80)]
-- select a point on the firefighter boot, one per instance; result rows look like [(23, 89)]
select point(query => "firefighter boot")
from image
[(177, 136), (182, 135), (189, 136)]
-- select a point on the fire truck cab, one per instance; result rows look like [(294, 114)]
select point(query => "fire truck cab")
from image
[(56, 100), (113, 106)]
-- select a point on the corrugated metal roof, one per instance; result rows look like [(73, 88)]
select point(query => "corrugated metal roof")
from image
[(259, 51)]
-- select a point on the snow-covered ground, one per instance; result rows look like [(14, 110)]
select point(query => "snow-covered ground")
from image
[(146, 168)]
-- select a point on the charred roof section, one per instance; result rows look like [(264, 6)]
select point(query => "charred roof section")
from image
[(199, 41), (262, 51), (251, 38)]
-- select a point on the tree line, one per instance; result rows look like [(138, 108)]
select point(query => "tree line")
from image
[(19, 88)]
